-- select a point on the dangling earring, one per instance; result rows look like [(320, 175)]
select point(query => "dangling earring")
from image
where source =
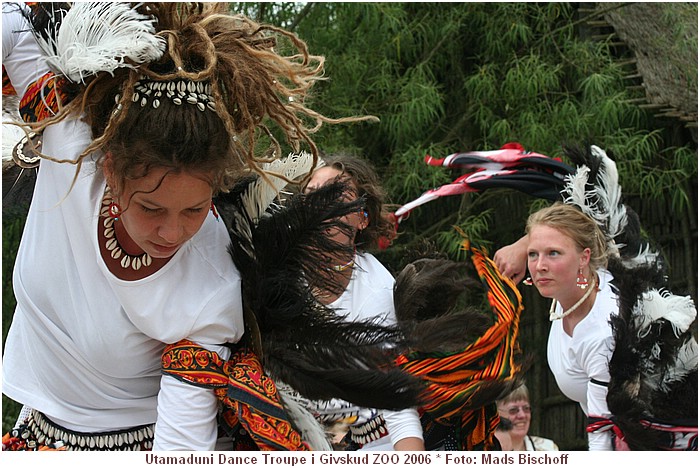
[(114, 210), (527, 281), (581, 281), (213, 211), (365, 215)]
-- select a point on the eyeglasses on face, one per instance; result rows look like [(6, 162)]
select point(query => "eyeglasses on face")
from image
[(513, 410)]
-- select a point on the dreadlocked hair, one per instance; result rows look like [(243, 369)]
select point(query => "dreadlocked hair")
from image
[(259, 76)]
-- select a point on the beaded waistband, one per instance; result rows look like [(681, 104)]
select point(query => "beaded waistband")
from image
[(37, 431)]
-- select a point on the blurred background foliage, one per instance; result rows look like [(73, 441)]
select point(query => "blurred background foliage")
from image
[(452, 77)]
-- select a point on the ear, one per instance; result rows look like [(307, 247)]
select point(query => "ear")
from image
[(585, 257), (364, 220)]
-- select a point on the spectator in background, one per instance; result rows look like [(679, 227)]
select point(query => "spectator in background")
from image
[(516, 408)]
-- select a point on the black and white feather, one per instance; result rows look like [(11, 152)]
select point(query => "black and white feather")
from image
[(595, 189), (654, 366)]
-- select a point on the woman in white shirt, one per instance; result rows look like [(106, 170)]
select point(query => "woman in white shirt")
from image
[(567, 262), (367, 294), (123, 251)]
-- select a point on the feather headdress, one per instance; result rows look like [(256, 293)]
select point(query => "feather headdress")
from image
[(99, 37), (652, 392)]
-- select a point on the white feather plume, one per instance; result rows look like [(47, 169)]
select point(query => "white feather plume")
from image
[(603, 202), (262, 193), (100, 36), (608, 192), (660, 304), (646, 256), (304, 422), (686, 362), (575, 190)]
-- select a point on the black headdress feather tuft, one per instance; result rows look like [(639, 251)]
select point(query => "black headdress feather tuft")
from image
[(425, 299)]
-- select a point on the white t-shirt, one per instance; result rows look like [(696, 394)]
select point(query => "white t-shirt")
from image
[(84, 347), (370, 294), (578, 359)]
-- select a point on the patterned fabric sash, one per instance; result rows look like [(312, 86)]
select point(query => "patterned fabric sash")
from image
[(43, 98), (458, 381), (250, 399)]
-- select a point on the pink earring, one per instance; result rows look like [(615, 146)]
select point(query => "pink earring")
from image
[(581, 281), (527, 281), (115, 210)]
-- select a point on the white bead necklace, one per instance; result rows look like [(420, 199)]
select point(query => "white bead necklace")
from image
[(554, 316), (116, 251)]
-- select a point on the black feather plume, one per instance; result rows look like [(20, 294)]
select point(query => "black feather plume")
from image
[(653, 368), (302, 342), (425, 298)]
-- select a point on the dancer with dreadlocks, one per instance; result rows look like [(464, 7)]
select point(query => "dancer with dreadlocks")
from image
[(123, 250)]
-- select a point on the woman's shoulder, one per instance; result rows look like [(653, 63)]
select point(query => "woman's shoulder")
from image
[(370, 267), (542, 444), (211, 245)]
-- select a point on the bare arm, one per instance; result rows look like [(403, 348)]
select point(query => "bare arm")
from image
[(410, 443), (511, 260)]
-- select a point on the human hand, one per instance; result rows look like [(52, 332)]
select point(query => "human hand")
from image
[(511, 260)]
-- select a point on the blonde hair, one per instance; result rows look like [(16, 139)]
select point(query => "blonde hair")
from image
[(520, 393), (576, 225)]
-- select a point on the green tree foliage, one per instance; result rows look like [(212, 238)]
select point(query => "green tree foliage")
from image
[(451, 77)]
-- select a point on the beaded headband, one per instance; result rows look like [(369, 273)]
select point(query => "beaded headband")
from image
[(178, 91)]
